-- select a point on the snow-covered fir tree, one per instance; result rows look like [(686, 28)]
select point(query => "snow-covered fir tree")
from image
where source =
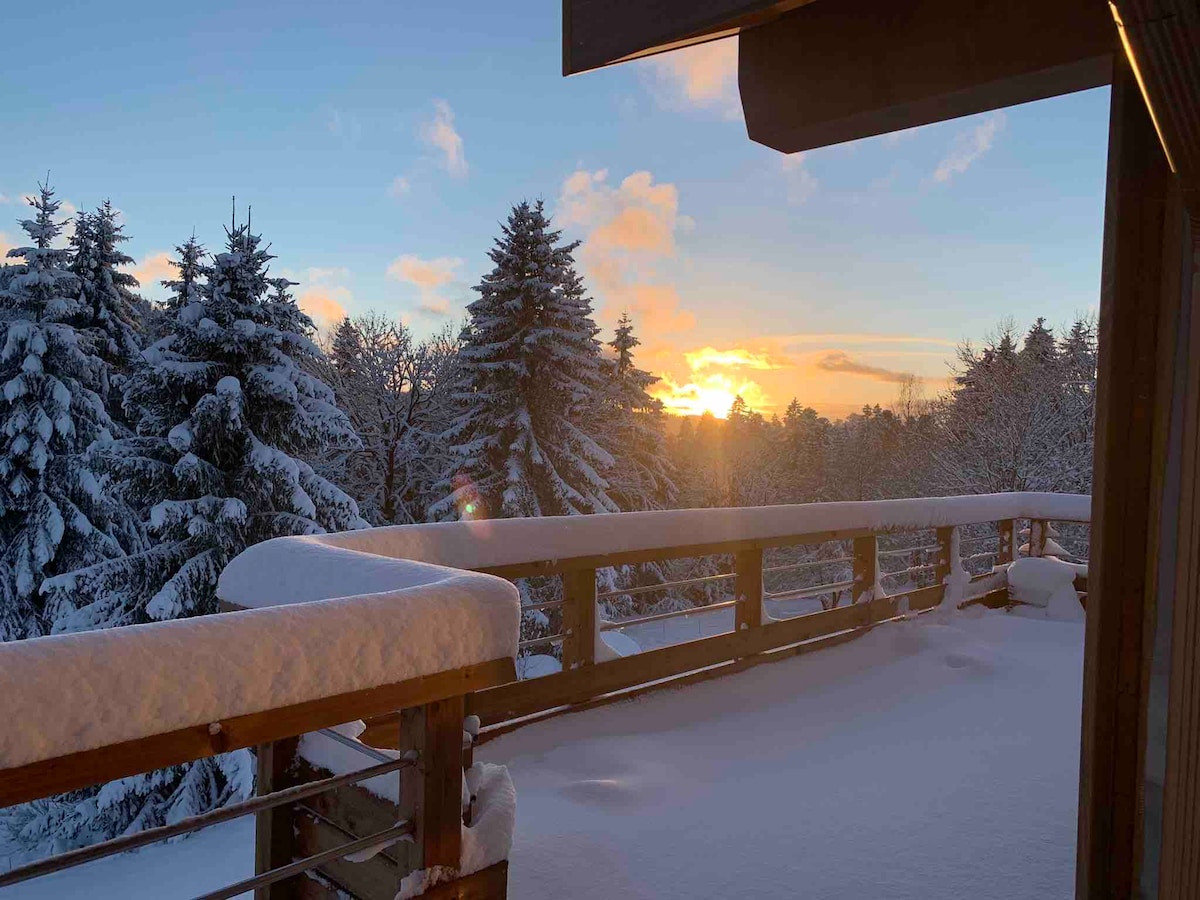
[(224, 415), (634, 434), (55, 514), (524, 445)]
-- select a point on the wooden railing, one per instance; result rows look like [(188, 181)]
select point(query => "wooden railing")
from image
[(309, 819), (756, 636), (205, 683)]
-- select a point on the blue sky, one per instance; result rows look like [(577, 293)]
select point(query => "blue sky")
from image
[(380, 144)]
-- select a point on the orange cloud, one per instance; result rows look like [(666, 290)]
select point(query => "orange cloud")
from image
[(703, 75), (153, 270), (428, 276), (324, 305), (736, 357), (441, 134), (628, 230)]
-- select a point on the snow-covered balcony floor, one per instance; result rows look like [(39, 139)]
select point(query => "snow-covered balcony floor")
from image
[(924, 760)]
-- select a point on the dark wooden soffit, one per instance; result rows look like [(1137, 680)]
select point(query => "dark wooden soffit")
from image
[(1163, 39), (601, 32), (839, 70)]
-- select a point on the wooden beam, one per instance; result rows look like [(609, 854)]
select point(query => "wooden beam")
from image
[(865, 568), (1163, 38), (1137, 321), (78, 770), (601, 32), (1006, 533), (487, 884), (838, 71)]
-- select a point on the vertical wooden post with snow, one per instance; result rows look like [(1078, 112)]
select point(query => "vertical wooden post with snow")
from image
[(579, 618), (748, 584), (1038, 532), (944, 564), (431, 795), (1006, 533), (866, 569)]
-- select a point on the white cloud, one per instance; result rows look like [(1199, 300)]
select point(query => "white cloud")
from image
[(801, 183), (429, 276), (701, 76), (968, 146), (440, 134), (399, 187)]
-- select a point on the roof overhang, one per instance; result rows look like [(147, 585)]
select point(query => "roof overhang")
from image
[(602, 32)]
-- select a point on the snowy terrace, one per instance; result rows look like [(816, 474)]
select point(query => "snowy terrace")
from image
[(914, 755)]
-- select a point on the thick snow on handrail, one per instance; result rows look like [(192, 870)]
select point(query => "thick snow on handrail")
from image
[(299, 564), (76, 692)]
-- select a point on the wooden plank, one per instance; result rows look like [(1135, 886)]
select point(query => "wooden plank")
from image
[(370, 879), (77, 770), (748, 585), (579, 618), (274, 843), (831, 72), (412, 737), (487, 884), (1128, 453), (944, 564), (685, 551), (441, 768)]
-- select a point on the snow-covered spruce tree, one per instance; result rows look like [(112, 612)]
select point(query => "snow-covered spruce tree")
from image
[(523, 445), (224, 415), (223, 412), (55, 514), (635, 434)]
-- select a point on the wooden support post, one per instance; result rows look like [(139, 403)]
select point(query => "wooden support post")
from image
[(748, 583), (1039, 530), (866, 568), (1006, 531), (1136, 398), (579, 618), (431, 794), (274, 837), (944, 564)]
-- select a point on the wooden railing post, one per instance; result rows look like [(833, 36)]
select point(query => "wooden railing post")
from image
[(1038, 532), (431, 795), (748, 583), (274, 836), (944, 564), (1006, 530), (866, 568), (579, 618)]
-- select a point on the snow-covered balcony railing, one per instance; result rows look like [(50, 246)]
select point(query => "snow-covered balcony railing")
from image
[(796, 577), (85, 709)]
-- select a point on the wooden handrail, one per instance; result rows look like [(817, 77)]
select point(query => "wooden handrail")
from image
[(83, 769)]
